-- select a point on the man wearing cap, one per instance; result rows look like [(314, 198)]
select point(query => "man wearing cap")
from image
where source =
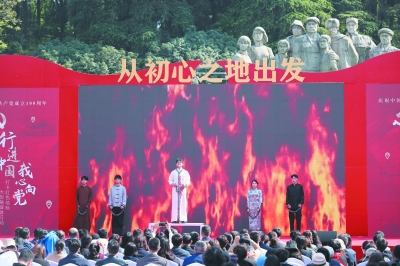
[(385, 46), (307, 46), (10, 254), (341, 45), (362, 43), (329, 59), (318, 259), (294, 202), (297, 29)]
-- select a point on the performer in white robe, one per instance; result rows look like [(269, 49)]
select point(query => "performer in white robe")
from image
[(179, 179)]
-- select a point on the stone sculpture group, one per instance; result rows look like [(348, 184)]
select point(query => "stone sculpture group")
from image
[(319, 53)]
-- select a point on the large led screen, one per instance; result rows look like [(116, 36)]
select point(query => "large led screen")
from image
[(228, 135), (28, 158), (383, 158)]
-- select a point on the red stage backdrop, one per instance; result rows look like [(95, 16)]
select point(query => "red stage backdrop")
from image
[(228, 136), (28, 158), (383, 132)]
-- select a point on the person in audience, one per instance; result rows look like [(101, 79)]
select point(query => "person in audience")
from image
[(197, 257), (272, 260), (223, 242), (316, 240), (141, 244), (25, 258), (152, 257), (72, 234), (137, 232), (95, 236), (382, 246), (16, 232), (39, 251), (279, 242), (294, 234), (59, 253), (214, 257), (294, 252), (241, 252), (165, 251), (338, 251), (309, 243), (131, 252), (318, 259), (113, 249), (60, 234), (364, 247), (73, 257), (261, 260), (375, 257), (283, 255), (42, 234), (36, 234), (10, 254), (263, 241), (114, 236), (195, 237), (19, 242), (177, 250), (82, 232), (85, 242), (350, 253), (301, 242), (229, 238), (205, 233), (24, 234), (94, 252), (186, 241), (103, 242), (49, 242), (396, 256), (328, 257), (273, 239), (126, 238), (331, 254)]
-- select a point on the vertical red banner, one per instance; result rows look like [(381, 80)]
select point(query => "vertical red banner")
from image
[(29, 138), (383, 157)]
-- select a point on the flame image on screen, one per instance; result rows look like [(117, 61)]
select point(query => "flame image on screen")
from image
[(227, 135)]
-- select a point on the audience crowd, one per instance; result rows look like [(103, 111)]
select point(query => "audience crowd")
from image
[(150, 247)]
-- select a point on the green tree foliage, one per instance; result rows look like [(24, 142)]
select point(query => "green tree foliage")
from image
[(8, 19), (212, 44), (76, 55), (161, 29)]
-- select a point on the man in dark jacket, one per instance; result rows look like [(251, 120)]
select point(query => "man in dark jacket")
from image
[(73, 257), (113, 248), (294, 202)]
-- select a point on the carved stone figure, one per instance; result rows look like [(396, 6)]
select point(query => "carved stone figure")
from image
[(306, 46), (244, 44), (329, 59), (341, 45), (362, 43), (259, 51), (283, 48), (297, 29), (385, 46)]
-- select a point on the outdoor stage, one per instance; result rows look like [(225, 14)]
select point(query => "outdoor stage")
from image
[(337, 130)]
